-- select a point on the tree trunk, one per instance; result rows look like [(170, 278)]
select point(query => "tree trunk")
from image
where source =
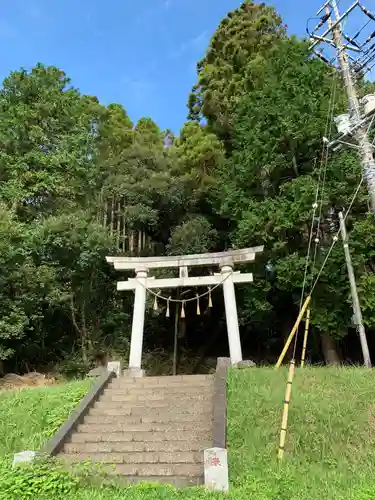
[(330, 351), (78, 329)]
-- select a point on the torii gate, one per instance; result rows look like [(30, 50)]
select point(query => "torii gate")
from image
[(142, 282)]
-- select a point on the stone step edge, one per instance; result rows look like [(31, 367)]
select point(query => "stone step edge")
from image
[(153, 417), (139, 459), (169, 378), (138, 447), (155, 437), (176, 481), (117, 426), (189, 391), (142, 469)]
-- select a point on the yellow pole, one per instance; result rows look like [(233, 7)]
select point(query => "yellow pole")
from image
[(293, 332), (307, 324), (284, 421)]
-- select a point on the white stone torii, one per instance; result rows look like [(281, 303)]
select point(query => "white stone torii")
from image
[(141, 265)]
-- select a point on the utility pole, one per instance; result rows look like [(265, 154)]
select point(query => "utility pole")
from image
[(335, 38), (354, 293), (365, 147)]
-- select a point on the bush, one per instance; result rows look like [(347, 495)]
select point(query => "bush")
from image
[(35, 481)]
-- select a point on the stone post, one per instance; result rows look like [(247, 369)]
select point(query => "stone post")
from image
[(231, 315), (136, 343), (216, 469)]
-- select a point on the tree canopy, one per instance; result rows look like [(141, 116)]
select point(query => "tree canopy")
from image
[(80, 180)]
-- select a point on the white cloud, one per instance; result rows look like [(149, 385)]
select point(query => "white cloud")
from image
[(197, 43), (138, 89)]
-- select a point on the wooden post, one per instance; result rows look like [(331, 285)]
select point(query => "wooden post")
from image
[(284, 420), (293, 332), (307, 324)]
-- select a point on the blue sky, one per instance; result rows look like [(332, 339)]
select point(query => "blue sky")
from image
[(139, 53)]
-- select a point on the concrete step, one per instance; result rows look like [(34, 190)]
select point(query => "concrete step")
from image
[(152, 416), (141, 407), (92, 436), (95, 418), (193, 380), (147, 470), (108, 424), (144, 470), (179, 457), (176, 481), (111, 416), (131, 424), (132, 446), (149, 398), (164, 391)]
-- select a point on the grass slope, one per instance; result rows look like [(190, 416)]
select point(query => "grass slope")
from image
[(330, 452), (30, 416)]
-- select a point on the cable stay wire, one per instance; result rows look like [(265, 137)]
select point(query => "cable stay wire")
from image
[(336, 237), (319, 191)]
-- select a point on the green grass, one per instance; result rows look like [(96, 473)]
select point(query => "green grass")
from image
[(28, 417), (330, 448)]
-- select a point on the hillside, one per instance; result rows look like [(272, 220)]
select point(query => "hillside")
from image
[(330, 443)]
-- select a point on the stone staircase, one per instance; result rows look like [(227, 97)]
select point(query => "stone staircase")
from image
[(152, 429)]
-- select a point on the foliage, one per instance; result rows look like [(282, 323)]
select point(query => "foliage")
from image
[(37, 481), (193, 236), (45, 138), (271, 179), (246, 35)]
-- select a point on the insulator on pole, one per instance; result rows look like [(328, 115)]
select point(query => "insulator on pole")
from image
[(351, 40), (370, 37), (367, 12), (320, 56)]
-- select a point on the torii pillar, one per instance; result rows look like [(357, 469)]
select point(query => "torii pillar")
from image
[(224, 260), (234, 340)]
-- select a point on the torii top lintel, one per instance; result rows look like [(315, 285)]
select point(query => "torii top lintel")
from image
[(199, 260)]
